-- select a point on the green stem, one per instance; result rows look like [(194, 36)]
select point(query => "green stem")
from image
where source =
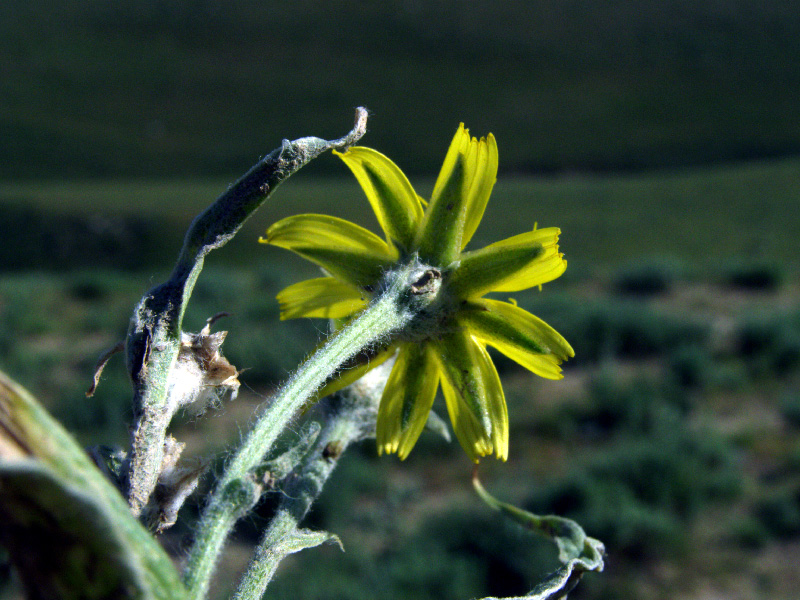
[(154, 334), (351, 420), (389, 312)]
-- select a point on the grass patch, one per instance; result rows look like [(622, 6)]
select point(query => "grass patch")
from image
[(700, 219)]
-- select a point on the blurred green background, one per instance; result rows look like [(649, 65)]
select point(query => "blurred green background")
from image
[(662, 137)]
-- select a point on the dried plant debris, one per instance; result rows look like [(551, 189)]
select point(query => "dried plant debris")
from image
[(101, 364), (202, 376), (175, 485)]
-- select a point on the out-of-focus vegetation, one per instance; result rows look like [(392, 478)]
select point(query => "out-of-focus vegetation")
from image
[(202, 87), (740, 221)]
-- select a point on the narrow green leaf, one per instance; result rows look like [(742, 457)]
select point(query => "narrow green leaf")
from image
[(302, 539)]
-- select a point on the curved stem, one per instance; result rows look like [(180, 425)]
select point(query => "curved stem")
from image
[(237, 490), (154, 333)]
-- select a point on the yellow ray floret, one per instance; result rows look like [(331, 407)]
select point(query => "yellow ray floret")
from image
[(324, 297)]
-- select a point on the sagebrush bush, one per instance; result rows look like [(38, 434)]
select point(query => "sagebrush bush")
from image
[(642, 493), (601, 329), (779, 512), (755, 275), (770, 343), (646, 278), (690, 366), (790, 409), (615, 408)]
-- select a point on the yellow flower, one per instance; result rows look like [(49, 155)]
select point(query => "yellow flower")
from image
[(446, 344)]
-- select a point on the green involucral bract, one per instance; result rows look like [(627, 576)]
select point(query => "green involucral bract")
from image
[(446, 343)]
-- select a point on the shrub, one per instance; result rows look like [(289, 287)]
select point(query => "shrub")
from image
[(771, 343), (779, 513), (690, 366), (728, 375), (759, 275), (617, 328), (614, 407), (639, 496), (790, 409), (748, 532), (647, 278)]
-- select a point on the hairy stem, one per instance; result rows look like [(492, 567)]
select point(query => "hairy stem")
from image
[(350, 417), (237, 490), (154, 333)]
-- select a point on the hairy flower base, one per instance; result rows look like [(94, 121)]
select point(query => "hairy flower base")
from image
[(446, 343)]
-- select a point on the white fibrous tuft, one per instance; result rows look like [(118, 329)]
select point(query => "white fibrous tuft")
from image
[(202, 377)]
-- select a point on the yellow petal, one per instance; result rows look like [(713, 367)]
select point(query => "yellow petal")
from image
[(510, 265), (458, 148), (393, 200), (324, 297), (440, 237), (354, 370), (518, 334), (480, 189), (344, 249), (496, 402), (474, 395), (473, 439), (407, 400)]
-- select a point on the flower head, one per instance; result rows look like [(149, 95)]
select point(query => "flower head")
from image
[(447, 343)]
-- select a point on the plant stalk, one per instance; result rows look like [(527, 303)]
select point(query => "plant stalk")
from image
[(154, 333), (350, 417), (237, 490)]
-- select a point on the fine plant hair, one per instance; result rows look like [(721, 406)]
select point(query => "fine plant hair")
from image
[(80, 524)]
